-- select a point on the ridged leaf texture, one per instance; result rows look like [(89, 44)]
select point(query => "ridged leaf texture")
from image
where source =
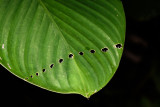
[(65, 46)]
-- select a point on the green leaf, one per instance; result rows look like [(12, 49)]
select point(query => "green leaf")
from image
[(65, 46)]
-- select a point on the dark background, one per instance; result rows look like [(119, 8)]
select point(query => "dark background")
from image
[(136, 82)]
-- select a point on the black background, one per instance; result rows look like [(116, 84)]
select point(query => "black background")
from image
[(135, 84)]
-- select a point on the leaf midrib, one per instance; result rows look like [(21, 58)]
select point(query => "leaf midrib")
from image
[(63, 38), (54, 23)]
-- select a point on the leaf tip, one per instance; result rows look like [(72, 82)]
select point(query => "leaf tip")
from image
[(89, 94)]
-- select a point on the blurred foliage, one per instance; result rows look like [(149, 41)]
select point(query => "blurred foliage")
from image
[(142, 10)]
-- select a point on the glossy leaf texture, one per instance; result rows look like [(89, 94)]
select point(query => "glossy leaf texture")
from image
[(65, 46)]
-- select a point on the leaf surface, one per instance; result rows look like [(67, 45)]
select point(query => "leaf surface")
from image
[(65, 46)]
